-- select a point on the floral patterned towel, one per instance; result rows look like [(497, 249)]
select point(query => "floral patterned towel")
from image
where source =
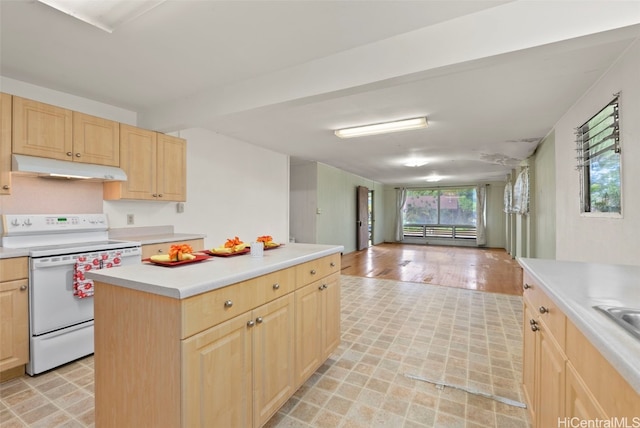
[(83, 287)]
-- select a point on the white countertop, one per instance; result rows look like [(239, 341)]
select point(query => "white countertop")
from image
[(188, 280), (145, 236), (576, 287)]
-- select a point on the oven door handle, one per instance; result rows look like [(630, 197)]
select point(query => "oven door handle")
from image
[(48, 263)]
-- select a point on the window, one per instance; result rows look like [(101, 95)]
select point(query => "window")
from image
[(598, 147), (440, 213)]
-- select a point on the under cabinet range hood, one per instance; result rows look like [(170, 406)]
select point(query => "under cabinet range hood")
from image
[(53, 168)]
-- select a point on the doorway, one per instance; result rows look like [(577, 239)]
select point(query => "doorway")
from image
[(364, 218)]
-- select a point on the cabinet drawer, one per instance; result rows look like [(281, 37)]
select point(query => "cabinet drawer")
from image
[(316, 269), (163, 247), (14, 268), (208, 309), (545, 309), (273, 285)]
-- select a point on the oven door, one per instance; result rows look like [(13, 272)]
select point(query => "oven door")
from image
[(53, 305)]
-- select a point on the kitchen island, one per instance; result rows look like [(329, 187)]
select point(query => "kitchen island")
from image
[(224, 342)]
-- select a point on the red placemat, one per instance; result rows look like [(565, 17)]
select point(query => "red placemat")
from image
[(199, 258)]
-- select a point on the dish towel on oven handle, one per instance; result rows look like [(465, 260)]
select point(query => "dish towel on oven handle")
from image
[(83, 287)]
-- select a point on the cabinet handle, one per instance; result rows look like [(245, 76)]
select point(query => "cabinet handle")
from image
[(228, 304), (534, 327), (23, 287), (532, 321), (526, 286), (69, 154), (155, 195), (313, 272), (259, 320), (322, 287), (5, 187), (160, 251), (78, 155), (332, 264), (543, 310), (250, 323), (276, 286), (160, 195)]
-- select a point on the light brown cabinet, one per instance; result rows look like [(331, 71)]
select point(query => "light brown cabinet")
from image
[(317, 325), (250, 357), (14, 317), (5, 143), (156, 166), (564, 376), (95, 140), (223, 358), (48, 131), (163, 248)]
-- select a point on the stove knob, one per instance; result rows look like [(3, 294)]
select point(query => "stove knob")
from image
[(15, 222), (27, 222)]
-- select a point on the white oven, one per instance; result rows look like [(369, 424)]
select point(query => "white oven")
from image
[(60, 298)]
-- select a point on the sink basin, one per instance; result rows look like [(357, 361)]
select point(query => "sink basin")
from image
[(627, 318)]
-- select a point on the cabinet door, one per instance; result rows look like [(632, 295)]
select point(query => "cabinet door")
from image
[(42, 130), (551, 379), (273, 357), (579, 402), (95, 140), (172, 168), (14, 333), (529, 358), (330, 315), (217, 376), (308, 331), (5, 144), (138, 154)]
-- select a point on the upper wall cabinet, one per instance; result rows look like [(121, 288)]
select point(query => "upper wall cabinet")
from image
[(96, 140), (48, 131), (5, 144), (156, 166)]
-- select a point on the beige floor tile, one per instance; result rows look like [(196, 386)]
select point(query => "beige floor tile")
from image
[(390, 329)]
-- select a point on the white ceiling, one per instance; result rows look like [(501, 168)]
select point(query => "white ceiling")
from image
[(492, 77)]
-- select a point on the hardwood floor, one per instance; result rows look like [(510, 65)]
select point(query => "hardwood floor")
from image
[(492, 270)]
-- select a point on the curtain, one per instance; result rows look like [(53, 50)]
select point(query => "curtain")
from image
[(521, 193), (481, 236), (401, 198), (508, 198)]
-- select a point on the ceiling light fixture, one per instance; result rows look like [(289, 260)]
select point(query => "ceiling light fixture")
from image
[(105, 15), (434, 178), (383, 128), (414, 163)]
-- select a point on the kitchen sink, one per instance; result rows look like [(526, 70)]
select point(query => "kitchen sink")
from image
[(627, 318)]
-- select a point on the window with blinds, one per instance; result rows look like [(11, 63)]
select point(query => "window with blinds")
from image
[(598, 148)]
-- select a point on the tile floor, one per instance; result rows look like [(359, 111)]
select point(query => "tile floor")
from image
[(389, 329)]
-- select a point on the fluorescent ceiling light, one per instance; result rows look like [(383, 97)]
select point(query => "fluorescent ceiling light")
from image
[(414, 163), (382, 128), (103, 14)]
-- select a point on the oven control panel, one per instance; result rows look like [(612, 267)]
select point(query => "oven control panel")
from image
[(21, 224)]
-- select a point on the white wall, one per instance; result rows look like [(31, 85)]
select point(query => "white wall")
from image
[(303, 201), (71, 102), (543, 198), (336, 223), (600, 239)]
